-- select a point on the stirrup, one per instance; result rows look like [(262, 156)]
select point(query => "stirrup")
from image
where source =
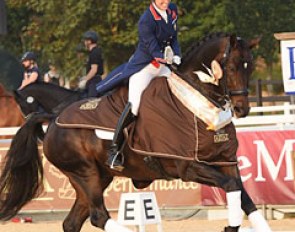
[(117, 162)]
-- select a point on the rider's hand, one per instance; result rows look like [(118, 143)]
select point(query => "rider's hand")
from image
[(176, 60), (82, 83), (168, 55)]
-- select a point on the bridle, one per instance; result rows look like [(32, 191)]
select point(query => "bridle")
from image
[(229, 93)]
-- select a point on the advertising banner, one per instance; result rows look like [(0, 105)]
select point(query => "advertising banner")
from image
[(288, 65), (266, 163)]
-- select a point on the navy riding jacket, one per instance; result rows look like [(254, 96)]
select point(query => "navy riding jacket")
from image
[(154, 35)]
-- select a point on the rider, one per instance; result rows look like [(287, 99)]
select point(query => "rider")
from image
[(157, 46), (31, 72), (53, 76), (94, 66)]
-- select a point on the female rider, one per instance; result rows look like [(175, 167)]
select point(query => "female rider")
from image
[(157, 46), (31, 72)]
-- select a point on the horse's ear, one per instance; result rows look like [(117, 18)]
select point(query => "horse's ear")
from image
[(254, 42), (233, 40), (216, 70)]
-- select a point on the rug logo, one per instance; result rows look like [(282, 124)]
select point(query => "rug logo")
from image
[(90, 105), (220, 138)]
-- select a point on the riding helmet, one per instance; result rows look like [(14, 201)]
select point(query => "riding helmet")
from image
[(91, 35), (28, 56)]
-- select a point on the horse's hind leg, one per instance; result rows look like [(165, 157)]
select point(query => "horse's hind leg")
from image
[(79, 212), (257, 220), (89, 188)]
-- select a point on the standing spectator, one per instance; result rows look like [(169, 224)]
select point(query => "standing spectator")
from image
[(31, 72), (53, 76), (94, 66)]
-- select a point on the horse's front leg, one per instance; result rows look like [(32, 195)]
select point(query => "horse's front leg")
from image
[(229, 180), (247, 205)]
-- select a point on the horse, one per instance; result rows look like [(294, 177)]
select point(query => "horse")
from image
[(56, 98), (81, 155), (9, 110)]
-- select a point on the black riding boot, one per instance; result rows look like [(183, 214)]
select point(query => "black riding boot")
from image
[(231, 229), (116, 159)]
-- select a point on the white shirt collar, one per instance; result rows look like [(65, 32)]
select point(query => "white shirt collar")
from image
[(163, 13)]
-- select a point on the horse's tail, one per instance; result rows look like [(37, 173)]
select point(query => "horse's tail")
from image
[(22, 174)]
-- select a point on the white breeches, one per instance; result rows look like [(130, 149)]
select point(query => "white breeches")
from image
[(140, 80)]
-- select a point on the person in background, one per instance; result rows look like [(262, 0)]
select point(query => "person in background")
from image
[(53, 76), (94, 66), (31, 71), (158, 46)]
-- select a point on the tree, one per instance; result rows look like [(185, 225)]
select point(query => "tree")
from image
[(263, 18), (54, 28)]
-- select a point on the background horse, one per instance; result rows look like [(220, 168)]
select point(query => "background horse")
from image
[(81, 156), (10, 113), (54, 98)]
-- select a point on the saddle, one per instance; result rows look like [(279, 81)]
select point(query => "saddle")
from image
[(164, 127)]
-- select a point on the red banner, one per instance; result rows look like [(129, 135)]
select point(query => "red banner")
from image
[(266, 162)]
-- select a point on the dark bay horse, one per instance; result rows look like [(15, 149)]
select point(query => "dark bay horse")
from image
[(81, 156), (54, 98)]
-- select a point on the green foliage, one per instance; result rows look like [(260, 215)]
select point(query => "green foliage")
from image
[(262, 19)]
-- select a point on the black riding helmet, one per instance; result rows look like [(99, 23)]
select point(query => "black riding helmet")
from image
[(28, 56), (91, 35)]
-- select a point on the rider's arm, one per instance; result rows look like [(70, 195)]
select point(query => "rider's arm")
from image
[(92, 72), (61, 81), (147, 30), (46, 77), (29, 79), (174, 43)]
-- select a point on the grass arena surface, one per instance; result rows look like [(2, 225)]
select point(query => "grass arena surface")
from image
[(193, 225)]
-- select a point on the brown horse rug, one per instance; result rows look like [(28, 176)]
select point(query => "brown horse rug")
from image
[(164, 127)]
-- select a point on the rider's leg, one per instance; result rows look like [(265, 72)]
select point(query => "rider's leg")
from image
[(137, 84), (125, 119)]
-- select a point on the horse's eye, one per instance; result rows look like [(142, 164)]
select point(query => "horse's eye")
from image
[(245, 65), (30, 99)]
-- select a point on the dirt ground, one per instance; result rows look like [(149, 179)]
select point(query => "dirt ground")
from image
[(192, 225)]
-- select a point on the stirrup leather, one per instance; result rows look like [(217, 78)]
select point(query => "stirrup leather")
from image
[(117, 161)]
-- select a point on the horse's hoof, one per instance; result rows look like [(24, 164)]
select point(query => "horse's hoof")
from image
[(231, 229)]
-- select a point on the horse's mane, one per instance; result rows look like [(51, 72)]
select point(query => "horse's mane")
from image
[(197, 44), (52, 87)]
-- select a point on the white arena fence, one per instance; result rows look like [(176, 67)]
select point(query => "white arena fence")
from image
[(280, 116)]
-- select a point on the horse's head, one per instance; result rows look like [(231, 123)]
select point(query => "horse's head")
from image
[(40, 97), (27, 103), (222, 64)]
